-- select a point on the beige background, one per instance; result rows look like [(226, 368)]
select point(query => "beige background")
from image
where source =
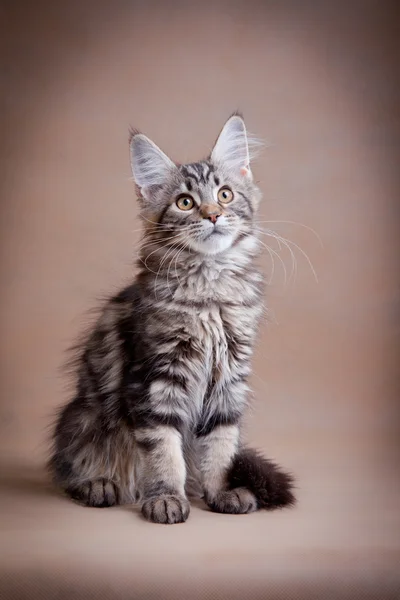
[(318, 82)]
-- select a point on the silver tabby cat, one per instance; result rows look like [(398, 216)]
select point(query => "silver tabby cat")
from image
[(161, 379)]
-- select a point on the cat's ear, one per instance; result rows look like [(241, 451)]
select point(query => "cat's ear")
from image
[(231, 148), (150, 166)]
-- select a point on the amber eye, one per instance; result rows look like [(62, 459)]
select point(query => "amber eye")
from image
[(225, 195), (185, 202)]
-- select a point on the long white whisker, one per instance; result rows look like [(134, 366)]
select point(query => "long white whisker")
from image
[(160, 241), (171, 249), (269, 250), (282, 240), (305, 256), (176, 259), (170, 226), (293, 256), (154, 223), (154, 251), (286, 242), (297, 223), (279, 257), (279, 240), (180, 247)]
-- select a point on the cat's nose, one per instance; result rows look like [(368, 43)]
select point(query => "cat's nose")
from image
[(210, 212)]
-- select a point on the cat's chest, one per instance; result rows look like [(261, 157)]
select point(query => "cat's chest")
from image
[(212, 284), (216, 334), (220, 310), (212, 330)]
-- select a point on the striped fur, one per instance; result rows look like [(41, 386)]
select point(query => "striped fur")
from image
[(162, 378)]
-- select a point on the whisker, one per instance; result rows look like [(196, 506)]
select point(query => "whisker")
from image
[(279, 240), (171, 249), (304, 254), (170, 226), (154, 222), (297, 223), (159, 241), (176, 258), (271, 250), (170, 263), (293, 256), (151, 253), (287, 242)]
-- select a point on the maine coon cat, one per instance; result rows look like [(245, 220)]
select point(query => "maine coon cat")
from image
[(161, 378)]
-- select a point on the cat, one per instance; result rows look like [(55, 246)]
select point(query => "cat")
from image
[(161, 378)]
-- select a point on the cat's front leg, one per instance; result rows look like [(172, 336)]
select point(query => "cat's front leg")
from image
[(161, 474), (218, 448)]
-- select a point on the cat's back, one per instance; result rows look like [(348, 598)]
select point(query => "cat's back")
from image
[(109, 346)]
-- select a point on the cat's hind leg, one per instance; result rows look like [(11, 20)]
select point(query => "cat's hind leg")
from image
[(92, 466), (217, 449), (237, 480), (99, 493)]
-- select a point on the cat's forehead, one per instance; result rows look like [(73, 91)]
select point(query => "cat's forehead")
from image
[(199, 174)]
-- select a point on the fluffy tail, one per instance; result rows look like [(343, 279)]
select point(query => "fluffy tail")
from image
[(271, 486)]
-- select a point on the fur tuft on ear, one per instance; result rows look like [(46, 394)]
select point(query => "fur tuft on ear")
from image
[(150, 166), (233, 147)]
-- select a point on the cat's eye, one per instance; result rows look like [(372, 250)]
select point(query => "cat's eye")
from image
[(225, 195), (185, 202)]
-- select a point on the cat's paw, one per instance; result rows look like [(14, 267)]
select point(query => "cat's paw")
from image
[(237, 501), (166, 509), (98, 493)]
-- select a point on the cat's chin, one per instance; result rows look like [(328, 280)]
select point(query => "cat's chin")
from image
[(213, 244)]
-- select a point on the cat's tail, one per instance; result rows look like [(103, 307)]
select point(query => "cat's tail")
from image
[(272, 487)]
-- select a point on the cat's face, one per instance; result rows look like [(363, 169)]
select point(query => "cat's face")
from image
[(206, 206)]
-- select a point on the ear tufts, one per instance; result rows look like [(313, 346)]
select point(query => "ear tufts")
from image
[(132, 132), (237, 113)]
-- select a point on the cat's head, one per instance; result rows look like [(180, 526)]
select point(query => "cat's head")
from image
[(206, 206)]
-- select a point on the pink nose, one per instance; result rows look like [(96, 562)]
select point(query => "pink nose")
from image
[(210, 211)]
